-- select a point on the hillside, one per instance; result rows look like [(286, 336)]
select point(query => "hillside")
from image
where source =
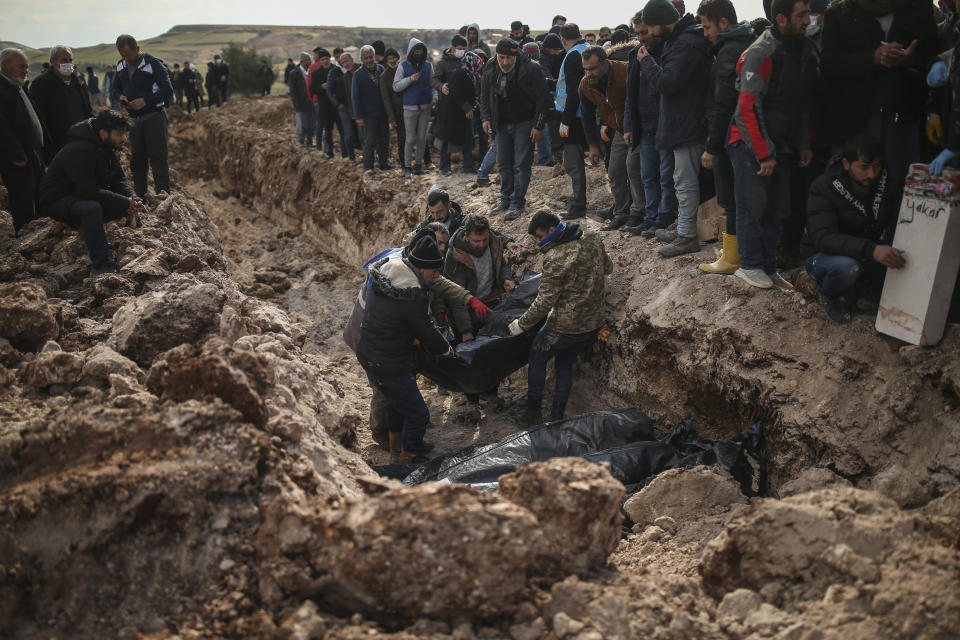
[(196, 42)]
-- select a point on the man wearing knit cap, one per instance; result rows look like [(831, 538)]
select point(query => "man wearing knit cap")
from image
[(302, 104), (396, 315), (682, 77), (379, 50), (514, 106)]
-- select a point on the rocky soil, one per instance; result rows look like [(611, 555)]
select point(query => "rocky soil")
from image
[(184, 453)]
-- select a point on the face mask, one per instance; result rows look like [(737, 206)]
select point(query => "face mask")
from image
[(418, 58), (459, 52), (66, 68), (814, 20), (218, 61)]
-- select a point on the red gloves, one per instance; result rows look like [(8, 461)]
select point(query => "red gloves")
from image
[(479, 308)]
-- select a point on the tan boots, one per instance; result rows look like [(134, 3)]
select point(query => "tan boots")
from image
[(399, 456), (729, 260)]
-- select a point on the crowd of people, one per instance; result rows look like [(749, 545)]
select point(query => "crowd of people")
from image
[(803, 123)]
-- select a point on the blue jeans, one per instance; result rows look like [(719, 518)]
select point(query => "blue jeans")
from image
[(656, 168), (489, 158), (347, 142), (515, 157), (565, 347), (407, 413), (834, 274), (544, 147), (762, 205)]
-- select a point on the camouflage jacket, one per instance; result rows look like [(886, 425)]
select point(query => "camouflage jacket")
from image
[(572, 289)]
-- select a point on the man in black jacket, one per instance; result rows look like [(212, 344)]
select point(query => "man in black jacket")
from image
[(305, 113), (61, 98), (682, 78), (21, 139), (514, 103), (850, 218), (395, 316), (223, 77), (570, 129), (85, 186), (729, 40)]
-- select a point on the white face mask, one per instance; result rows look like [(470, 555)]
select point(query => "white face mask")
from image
[(459, 52), (66, 68), (218, 61), (814, 20)]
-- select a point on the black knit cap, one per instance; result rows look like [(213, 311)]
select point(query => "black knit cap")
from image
[(459, 41), (552, 41), (378, 47), (659, 13), (321, 52), (424, 253), (508, 47)]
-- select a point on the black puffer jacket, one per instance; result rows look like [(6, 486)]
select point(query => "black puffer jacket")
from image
[(85, 169), (841, 224), (396, 314), (723, 95), (855, 87)]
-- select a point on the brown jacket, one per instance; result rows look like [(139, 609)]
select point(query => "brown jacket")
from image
[(612, 104)]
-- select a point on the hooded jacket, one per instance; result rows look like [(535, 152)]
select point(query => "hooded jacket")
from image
[(85, 169), (722, 100), (682, 78), (416, 94), (526, 85), (572, 287), (621, 51), (480, 43), (840, 223), (50, 94), (448, 65), (396, 314)]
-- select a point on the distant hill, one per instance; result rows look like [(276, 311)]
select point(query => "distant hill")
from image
[(198, 43)]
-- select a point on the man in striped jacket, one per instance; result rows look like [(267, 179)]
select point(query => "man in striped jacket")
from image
[(770, 134)]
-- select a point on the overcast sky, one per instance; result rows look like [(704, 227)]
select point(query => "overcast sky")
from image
[(88, 22)]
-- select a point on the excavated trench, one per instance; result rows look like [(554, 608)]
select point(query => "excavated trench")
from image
[(846, 399), (183, 446)]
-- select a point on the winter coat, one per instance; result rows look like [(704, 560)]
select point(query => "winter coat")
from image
[(317, 74), (420, 93), (452, 122), (51, 94), (85, 169), (366, 99), (572, 290), (855, 87), (150, 81), (481, 45), (392, 101), (266, 76), (298, 92), (682, 78), (776, 76), (286, 72), (20, 141), (210, 80), (336, 87), (526, 85), (839, 223), (348, 77), (189, 79), (223, 74), (459, 268), (621, 52), (723, 95), (608, 103), (444, 70), (397, 313), (641, 114)]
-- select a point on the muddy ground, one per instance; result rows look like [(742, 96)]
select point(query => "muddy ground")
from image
[(188, 457)]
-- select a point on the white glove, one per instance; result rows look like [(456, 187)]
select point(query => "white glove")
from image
[(514, 328), (564, 131)]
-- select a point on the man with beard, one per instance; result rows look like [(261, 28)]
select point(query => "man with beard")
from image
[(368, 109), (61, 98), (603, 90), (851, 213), (682, 78), (85, 186), (513, 105), (769, 136), (474, 42), (21, 139)]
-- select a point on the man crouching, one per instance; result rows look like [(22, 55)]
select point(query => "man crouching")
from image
[(396, 315), (85, 186)]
